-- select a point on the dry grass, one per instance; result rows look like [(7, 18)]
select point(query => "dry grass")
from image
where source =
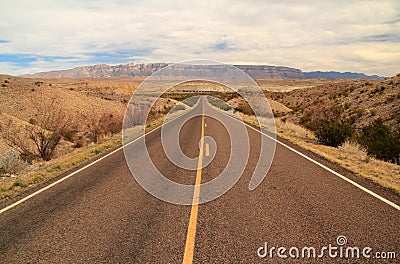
[(294, 130), (349, 155), (11, 186)]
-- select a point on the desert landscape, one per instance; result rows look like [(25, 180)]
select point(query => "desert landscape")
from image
[(200, 131), (92, 110)]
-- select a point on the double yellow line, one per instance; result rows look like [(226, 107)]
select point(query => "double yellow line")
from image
[(191, 234)]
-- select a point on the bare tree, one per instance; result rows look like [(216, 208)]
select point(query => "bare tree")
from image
[(40, 137)]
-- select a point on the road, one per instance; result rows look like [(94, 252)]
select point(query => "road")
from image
[(102, 215)]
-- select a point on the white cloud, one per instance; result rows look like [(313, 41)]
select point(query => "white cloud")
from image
[(310, 35)]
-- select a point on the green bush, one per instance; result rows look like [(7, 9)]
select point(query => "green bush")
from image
[(380, 141), (96, 151), (333, 132), (330, 126), (245, 108)]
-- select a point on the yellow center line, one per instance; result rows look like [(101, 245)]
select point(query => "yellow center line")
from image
[(191, 234)]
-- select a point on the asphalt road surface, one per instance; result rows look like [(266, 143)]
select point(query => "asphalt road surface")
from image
[(102, 215)]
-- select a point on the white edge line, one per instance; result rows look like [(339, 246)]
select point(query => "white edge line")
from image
[(79, 170), (392, 204)]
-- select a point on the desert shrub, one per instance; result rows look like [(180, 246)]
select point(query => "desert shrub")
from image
[(12, 163), (218, 103), (111, 124), (97, 127), (330, 126), (372, 112), (80, 140), (245, 108), (166, 109), (39, 138), (347, 105), (351, 89), (226, 107), (378, 89), (333, 132), (380, 141), (96, 151), (70, 134)]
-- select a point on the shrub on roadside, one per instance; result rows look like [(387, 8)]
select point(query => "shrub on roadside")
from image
[(12, 163), (245, 108), (380, 141), (333, 132), (97, 127), (330, 126)]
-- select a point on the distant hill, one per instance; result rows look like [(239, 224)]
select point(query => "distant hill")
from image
[(339, 75), (140, 69)]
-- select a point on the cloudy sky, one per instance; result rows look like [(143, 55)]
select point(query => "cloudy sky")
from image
[(359, 36)]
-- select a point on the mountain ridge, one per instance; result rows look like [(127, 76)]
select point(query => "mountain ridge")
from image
[(141, 69)]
